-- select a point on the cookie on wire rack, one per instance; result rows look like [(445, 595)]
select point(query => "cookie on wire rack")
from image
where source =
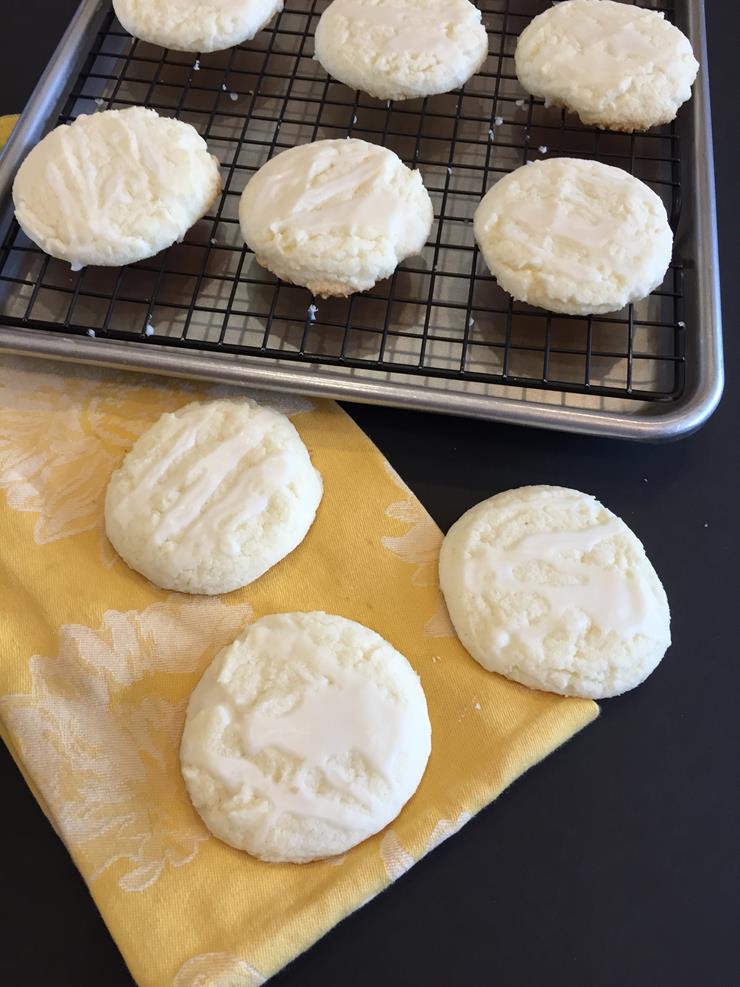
[(335, 216), (617, 65), (114, 188), (574, 236), (196, 25), (401, 49)]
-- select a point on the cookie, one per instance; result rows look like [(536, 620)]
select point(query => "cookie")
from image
[(401, 49), (212, 496), (616, 65), (335, 216), (115, 187), (549, 588), (304, 737), (195, 25), (574, 236)]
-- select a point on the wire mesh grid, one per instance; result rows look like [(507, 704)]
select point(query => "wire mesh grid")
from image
[(441, 315)]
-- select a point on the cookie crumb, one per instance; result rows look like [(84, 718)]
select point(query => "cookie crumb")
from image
[(196, 65), (148, 329), (233, 97), (90, 332), (477, 705), (542, 148), (498, 121)]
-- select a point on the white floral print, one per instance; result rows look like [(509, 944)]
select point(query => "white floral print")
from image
[(419, 546), (101, 740)]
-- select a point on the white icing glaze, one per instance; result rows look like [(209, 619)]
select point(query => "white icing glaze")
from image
[(342, 188), (616, 32), (612, 601), (602, 43), (578, 215), (217, 494), (340, 711), (402, 29), (573, 217)]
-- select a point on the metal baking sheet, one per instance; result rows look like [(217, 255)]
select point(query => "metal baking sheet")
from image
[(439, 335)]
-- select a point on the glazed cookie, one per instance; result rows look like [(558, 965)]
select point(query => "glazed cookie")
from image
[(400, 49), (574, 236), (212, 496), (195, 25), (115, 187), (335, 216), (305, 736), (549, 588), (616, 65)]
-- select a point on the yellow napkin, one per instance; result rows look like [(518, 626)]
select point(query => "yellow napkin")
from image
[(6, 126), (97, 665)]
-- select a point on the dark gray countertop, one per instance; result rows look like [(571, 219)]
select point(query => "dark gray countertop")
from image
[(616, 861)]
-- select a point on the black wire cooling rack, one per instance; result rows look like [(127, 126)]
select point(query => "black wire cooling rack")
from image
[(441, 315)]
